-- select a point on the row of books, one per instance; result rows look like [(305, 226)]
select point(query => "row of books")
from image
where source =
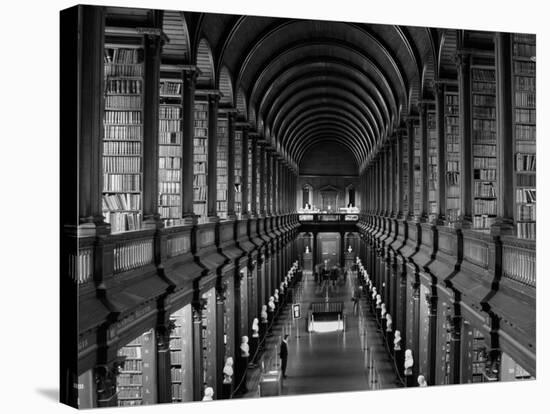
[(526, 180), (453, 148), (221, 178), (453, 166), (169, 151), (123, 132), (176, 374), (526, 195), (112, 70), (126, 164), (201, 111), (129, 379), (133, 365), (481, 162), (525, 68), (201, 132), (169, 125), (124, 86), (453, 180), (480, 135), (121, 201), (123, 117), (168, 222), (484, 124), (170, 188), (526, 162), (451, 101), (482, 222), (169, 200), (123, 55), (527, 231), (170, 88), (525, 115), (526, 132), (199, 145), (221, 207), (170, 162), (525, 99), (123, 221), (524, 50), (482, 206), (487, 175), (121, 182), (170, 212), (199, 209), (524, 38), (199, 194), (485, 150), (221, 194), (484, 112), (133, 392), (121, 148), (484, 100), (170, 175), (170, 137), (482, 189), (485, 75), (170, 111), (123, 102), (199, 168), (527, 212), (130, 352), (175, 343), (525, 84)]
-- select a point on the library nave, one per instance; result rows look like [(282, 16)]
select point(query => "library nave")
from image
[(266, 206)]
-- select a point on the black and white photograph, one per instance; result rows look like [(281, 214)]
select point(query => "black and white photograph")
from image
[(255, 203)]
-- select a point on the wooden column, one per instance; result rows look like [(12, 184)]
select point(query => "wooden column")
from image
[(464, 94), (197, 351), (254, 172), (399, 161), (269, 175), (231, 166), (505, 143), (410, 150), (189, 81), (441, 151), (90, 112), (220, 343), (244, 179), (212, 178), (384, 179), (151, 218), (424, 154), (392, 181), (164, 380), (261, 172)]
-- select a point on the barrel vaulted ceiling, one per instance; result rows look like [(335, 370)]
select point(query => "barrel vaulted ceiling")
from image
[(302, 82)]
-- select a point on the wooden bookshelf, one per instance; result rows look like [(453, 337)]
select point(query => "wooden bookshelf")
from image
[(123, 137), (433, 166), (250, 155), (484, 147), (200, 159), (208, 341), (221, 165), (238, 172), (257, 184), (136, 381), (524, 127), (417, 202), (181, 355), (170, 151), (405, 172), (452, 154)]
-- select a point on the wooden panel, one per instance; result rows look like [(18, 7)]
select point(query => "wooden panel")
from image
[(447, 243), (178, 245), (476, 253)]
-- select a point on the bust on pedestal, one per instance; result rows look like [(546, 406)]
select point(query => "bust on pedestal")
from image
[(227, 378), (421, 381), (208, 394), (408, 368), (244, 348), (255, 339)]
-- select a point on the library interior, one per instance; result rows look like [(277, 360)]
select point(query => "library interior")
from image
[(366, 191)]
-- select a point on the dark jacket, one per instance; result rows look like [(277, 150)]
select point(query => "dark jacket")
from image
[(283, 353)]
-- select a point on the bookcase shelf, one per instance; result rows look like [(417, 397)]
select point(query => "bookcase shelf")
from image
[(170, 148), (133, 382), (433, 166), (417, 172), (405, 171), (484, 146), (250, 155), (452, 154), (200, 159), (122, 137), (524, 119), (181, 355), (238, 172), (221, 165)]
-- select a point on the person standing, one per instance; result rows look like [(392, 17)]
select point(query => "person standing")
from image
[(283, 354)]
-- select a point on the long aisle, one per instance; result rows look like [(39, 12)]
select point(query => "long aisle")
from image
[(331, 361)]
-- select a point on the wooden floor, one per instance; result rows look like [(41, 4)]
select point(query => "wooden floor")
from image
[(353, 360)]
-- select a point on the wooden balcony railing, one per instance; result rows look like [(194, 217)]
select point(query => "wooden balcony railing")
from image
[(519, 262), (131, 254)]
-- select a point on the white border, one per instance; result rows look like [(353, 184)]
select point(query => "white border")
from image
[(30, 206)]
